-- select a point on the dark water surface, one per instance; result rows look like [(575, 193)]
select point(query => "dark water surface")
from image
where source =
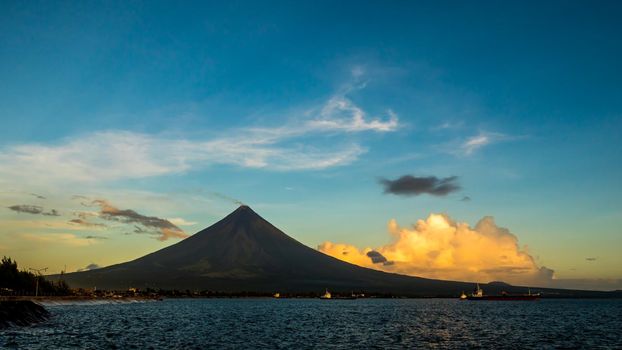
[(309, 323)]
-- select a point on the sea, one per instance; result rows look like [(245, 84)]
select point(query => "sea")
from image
[(265, 323)]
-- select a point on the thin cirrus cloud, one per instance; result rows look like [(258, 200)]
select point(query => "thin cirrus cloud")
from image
[(339, 113), (112, 155), (481, 140), (85, 223), (33, 209), (409, 185), (67, 239), (96, 237), (181, 222)]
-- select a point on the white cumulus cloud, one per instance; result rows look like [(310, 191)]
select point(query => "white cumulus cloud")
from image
[(441, 248)]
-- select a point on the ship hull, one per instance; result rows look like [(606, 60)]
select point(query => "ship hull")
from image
[(338, 298), (505, 298)]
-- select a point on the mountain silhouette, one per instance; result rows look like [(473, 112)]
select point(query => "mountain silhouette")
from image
[(244, 252)]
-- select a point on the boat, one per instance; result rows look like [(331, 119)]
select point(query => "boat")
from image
[(478, 294), (328, 296), (463, 296), (276, 295)]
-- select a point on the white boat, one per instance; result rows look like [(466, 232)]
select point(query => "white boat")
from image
[(326, 295)]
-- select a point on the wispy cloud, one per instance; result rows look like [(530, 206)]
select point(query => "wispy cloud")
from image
[(57, 238), (226, 198), (181, 222), (448, 125), (42, 224), (96, 237), (340, 114), (115, 154), (98, 218), (33, 209), (85, 223), (474, 143)]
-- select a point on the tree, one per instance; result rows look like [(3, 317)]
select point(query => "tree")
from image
[(15, 282)]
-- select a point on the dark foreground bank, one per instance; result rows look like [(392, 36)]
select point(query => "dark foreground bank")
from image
[(21, 313)]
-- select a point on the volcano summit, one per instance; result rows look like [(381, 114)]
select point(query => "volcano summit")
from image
[(244, 252)]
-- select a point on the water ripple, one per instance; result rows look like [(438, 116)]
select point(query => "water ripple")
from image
[(317, 324)]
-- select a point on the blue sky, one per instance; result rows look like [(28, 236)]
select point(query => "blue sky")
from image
[(164, 108)]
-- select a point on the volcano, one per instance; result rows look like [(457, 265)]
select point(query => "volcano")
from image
[(244, 252)]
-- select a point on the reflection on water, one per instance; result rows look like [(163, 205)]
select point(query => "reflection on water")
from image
[(308, 323)]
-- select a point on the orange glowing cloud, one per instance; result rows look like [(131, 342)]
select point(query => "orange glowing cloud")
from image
[(440, 248)]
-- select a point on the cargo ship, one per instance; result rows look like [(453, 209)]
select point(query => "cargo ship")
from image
[(478, 294)]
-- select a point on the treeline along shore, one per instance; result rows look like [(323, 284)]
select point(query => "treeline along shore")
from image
[(16, 282)]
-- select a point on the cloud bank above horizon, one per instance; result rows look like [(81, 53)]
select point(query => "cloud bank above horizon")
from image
[(441, 248)]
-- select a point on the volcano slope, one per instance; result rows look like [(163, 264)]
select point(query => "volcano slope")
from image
[(245, 253)]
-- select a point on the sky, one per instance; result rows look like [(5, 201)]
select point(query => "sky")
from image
[(475, 141)]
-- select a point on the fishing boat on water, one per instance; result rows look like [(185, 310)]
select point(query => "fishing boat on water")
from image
[(328, 296), (478, 294)]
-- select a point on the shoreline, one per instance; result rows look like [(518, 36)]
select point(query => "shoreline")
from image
[(73, 300), (21, 313), (96, 300)]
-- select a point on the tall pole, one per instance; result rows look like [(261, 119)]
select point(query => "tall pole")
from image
[(38, 271)]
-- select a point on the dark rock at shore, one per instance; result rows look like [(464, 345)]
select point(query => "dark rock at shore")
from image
[(21, 313)]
